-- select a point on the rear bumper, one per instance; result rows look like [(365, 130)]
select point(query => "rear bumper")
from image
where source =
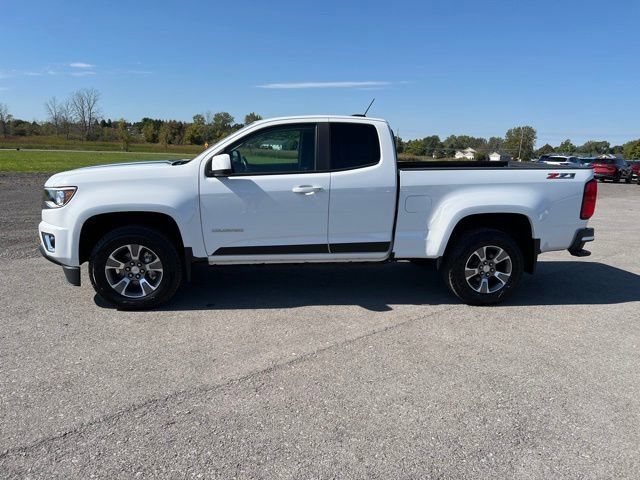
[(581, 237), (72, 274)]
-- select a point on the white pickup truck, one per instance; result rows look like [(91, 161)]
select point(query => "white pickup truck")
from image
[(311, 189)]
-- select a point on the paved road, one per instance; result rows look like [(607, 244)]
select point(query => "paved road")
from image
[(324, 371)]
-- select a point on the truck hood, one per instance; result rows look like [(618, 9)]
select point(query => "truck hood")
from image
[(109, 172)]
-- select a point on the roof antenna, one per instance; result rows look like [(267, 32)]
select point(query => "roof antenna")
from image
[(365, 112)]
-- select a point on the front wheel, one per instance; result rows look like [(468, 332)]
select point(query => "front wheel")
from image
[(628, 179), (483, 267), (135, 268)]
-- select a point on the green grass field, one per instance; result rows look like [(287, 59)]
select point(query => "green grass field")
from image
[(51, 161), (51, 142)]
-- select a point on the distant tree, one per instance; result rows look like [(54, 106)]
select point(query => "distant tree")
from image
[(195, 133), (631, 150), (172, 133), (124, 134), (432, 146), (164, 135), (616, 149), (520, 142), (566, 147), (494, 144), (399, 144), (5, 119), (53, 108), (149, 132), (251, 117), (84, 106), (65, 118), (481, 156), (544, 150), (453, 143), (594, 147), (222, 124), (415, 147)]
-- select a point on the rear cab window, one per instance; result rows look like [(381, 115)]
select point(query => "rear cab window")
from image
[(353, 145)]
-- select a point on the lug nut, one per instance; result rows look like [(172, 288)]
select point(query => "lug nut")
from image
[(132, 264), (138, 276), (130, 275), (142, 270), (127, 269)]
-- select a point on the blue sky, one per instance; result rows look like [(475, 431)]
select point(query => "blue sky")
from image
[(571, 69)]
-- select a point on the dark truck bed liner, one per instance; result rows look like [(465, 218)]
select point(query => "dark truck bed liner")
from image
[(471, 165)]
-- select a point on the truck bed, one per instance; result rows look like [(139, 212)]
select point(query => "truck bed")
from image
[(471, 165)]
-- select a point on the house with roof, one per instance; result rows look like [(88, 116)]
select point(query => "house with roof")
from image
[(500, 157), (467, 154)]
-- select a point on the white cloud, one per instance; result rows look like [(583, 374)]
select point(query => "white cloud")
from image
[(83, 74), (81, 65), (324, 85)]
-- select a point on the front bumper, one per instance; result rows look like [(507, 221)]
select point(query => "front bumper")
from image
[(582, 236), (72, 274), (59, 252)]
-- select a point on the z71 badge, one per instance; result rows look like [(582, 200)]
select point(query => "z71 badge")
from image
[(560, 176)]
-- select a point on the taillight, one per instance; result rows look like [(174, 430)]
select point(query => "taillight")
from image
[(589, 200)]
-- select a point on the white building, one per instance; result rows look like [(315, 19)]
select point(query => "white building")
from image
[(467, 153), (500, 157)]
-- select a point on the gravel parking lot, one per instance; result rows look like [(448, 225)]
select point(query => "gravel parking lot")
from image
[(370, 371)]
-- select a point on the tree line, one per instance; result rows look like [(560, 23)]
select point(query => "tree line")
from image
[(518, 142), (79, 117)]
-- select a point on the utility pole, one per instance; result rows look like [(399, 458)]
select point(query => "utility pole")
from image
[(520, 147)]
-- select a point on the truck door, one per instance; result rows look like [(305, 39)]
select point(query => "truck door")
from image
[(362, 206), (274, 203)]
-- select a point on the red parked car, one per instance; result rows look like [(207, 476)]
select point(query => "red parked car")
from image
[(635, 169), (614, 169)]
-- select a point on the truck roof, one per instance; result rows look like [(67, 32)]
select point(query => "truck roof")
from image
[(330, 117)]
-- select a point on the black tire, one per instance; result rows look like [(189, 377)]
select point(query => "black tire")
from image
[(628, 179), (617, 178), (602, 180), (166, 252), (453, 266)]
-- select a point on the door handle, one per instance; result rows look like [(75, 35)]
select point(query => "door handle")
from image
[(306, 189)]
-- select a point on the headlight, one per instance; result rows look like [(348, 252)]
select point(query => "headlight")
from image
[(57, 197)]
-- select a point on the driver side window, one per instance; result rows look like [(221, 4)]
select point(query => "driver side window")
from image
[(283, 149)]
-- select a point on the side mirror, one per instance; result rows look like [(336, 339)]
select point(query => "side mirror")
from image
[(221, 165)]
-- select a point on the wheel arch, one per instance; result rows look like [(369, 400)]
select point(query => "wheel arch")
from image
[(96, 226), (516, 225)]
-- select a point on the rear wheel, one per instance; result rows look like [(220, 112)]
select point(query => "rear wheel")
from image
[(628, 179), (135, 268), (483, 267), (617, 178)]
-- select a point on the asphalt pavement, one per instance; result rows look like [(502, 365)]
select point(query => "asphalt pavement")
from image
[(323, 371)]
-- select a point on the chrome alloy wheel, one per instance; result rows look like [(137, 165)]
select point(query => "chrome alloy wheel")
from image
[(488, 269), (133, 271)]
